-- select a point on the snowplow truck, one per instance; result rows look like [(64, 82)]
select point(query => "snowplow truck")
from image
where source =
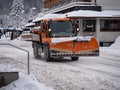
[(58, 38)]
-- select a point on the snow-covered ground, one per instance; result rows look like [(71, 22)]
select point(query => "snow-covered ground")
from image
[(88, 73), (25, 82), (7, 56)]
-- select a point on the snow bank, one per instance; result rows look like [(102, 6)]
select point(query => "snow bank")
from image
[(116, 45), (112, 52), (7, 68), (25, 82)]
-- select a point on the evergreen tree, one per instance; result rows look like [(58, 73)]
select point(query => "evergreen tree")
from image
[(17, 14)]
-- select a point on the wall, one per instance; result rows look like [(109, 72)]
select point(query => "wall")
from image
[(105, 36), (108, 36), (109, 4)]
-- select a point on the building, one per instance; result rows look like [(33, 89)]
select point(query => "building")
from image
[(109, 4), (100, 18), (63, 6)]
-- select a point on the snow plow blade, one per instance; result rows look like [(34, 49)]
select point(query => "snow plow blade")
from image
[(85, 46)]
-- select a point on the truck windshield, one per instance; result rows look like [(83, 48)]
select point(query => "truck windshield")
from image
[(61, 28)]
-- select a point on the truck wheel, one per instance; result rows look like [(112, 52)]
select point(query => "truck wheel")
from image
[(35, 51), (47, 52), (74, 58)]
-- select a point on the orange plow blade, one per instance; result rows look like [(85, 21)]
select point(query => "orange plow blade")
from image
[(87, 46)]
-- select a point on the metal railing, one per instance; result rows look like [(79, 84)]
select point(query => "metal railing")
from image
[(28, 59)]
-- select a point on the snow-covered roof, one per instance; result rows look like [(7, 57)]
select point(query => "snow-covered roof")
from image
[(18, 29), (80, 13), (38, 16), (90, 13), (30, 24), (49, 16), (36, 27)]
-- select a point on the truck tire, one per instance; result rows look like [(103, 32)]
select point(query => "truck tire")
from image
[(75, 58), (35, 50), (47, 52)]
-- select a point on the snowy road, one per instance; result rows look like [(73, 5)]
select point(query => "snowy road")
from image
[(85, 74), (88, 73)]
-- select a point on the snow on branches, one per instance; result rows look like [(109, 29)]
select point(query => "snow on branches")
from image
[(17, 14)]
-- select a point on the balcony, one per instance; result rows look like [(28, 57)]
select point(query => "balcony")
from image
[(52, 3), (63, 6)]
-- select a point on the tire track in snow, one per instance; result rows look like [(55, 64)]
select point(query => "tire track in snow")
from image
[(106, 61), (88, 64)]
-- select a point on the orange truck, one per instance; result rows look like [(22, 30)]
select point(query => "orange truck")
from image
[(58, 38)]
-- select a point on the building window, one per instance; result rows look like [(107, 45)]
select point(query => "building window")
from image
[(110, 25), (89, 25)]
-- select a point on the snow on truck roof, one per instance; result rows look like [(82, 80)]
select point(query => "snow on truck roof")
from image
[(49, 16)]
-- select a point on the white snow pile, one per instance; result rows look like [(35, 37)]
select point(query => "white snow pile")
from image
[(116, 45), (112, 52), (25, 82), (7, 68)]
